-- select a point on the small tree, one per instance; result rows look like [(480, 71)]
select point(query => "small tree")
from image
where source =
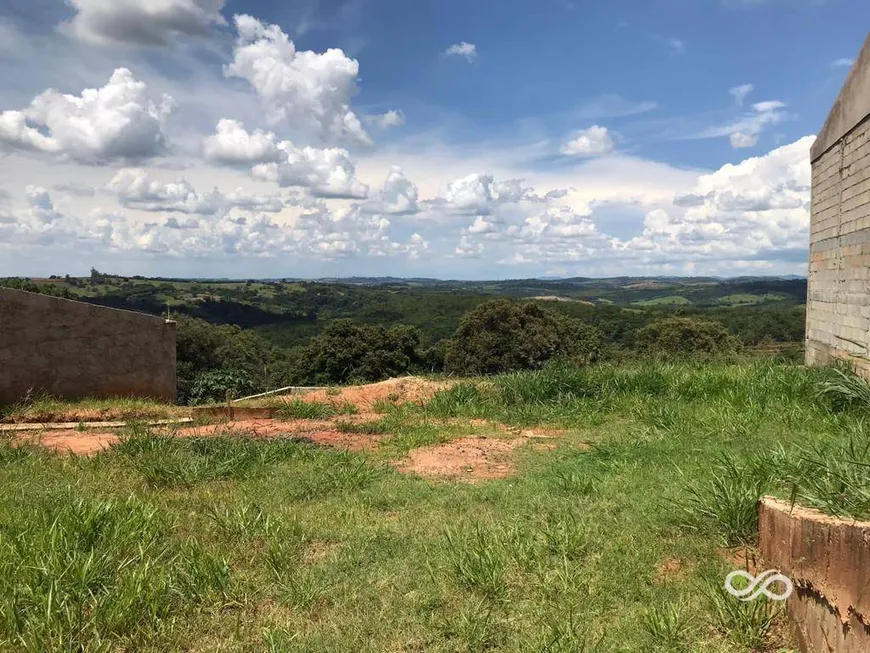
[(346, 351), (504, 335), (685, 336)]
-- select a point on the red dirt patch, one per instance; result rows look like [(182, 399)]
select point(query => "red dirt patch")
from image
[(73, 442), (670, 569), (466, 459), (402, 390), (262, 428), (353, 442), (319, 432), (743, 558)]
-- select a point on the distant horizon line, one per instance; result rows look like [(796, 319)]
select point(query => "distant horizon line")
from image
[(56, 277)]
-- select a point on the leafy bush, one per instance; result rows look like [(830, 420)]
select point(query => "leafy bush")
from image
[(212, 385), (212, 358), (685, 336), (504, 335), (347, 352)]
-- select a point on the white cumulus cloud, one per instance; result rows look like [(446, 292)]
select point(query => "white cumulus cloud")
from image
[(115, 122), (232, 144), (392, 118), (326, 172), (309, 90), (594, 141), (135, 188), (467, 51), (399, 194)]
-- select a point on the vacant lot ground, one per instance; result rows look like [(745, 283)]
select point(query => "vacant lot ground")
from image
[(566, 510)]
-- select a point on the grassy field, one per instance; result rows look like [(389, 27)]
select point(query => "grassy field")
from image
[(670, 300), (745, 299), (615, 535)]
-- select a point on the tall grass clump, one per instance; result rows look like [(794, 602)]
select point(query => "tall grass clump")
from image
[(727, 504), (299, 409), (748, 624), (558, 382), (476, 563), (462, 400), (843, 391), (668, 626), (166, 461), (831, 476), (99, 575)]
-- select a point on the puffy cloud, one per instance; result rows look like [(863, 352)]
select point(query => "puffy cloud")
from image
[(398, 196), (327, 173), (231, 144), (749, 210), (247, 201), (136, 189), (308, 89), (467, 248), (468, 51), (115, 122), (842, 63), (594, 141), (481, 194), (143, 22), (738, 217), (41, 205), (482, 226), (391, 118), (741, 92), (471, 194)]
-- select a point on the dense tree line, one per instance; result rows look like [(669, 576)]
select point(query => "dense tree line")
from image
[(250, 336)]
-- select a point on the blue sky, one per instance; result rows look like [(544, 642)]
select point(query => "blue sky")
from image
[(450, 139)]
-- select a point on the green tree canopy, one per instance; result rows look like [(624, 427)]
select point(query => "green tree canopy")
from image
[(685, 336), (504, 335), (349, 352)]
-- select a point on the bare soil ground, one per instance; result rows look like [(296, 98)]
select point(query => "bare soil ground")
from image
[(466, 458), (469, 459), (79, 443)]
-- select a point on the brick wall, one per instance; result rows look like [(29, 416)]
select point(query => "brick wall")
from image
[(838, 302), (73, 350), (828, 562)]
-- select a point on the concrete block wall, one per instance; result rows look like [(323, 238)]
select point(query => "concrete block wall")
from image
[(73, 350), (838, 300)]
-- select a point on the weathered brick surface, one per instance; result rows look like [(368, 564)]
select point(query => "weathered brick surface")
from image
[(73, 350), (828, 562), (838, 319)]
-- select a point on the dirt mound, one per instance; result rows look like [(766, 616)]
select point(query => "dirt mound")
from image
[(402, 390), (465, 459)]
